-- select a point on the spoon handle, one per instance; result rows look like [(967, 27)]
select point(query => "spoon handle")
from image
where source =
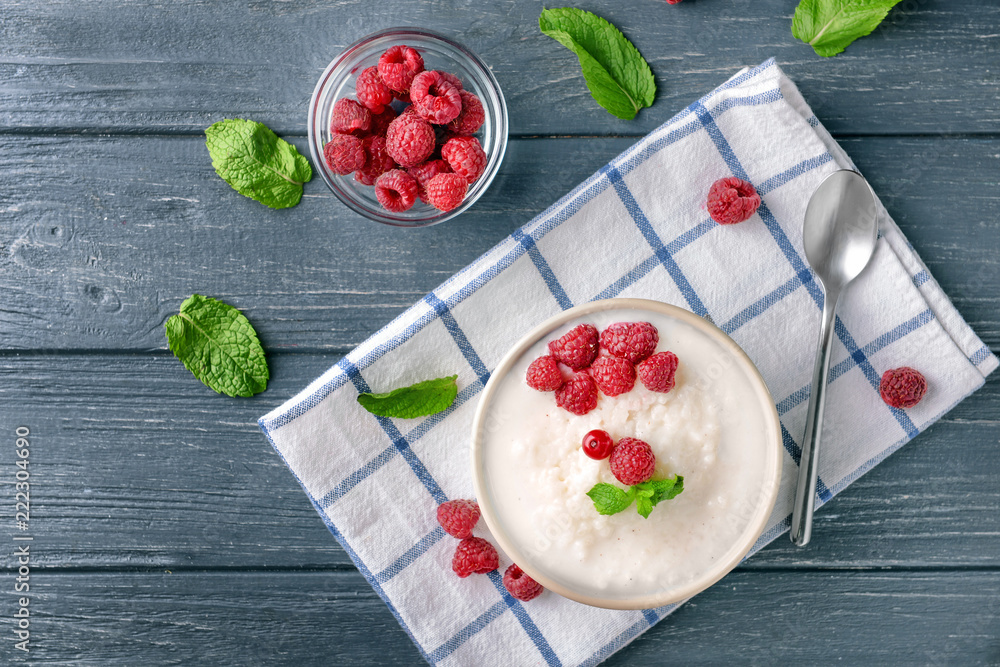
[(805, 490)]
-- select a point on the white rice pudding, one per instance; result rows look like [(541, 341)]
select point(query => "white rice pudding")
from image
[(708, 428)]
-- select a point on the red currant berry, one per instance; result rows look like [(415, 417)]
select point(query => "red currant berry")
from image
[(597, 444)]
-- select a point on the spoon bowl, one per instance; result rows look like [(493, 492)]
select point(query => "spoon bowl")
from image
[(839, 235), (841, 228)]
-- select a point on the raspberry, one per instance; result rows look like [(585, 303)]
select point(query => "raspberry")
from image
[(350, 117), (544, 374), (344, 153), (902, 387), (577, 348), (613, 375), (598, 445), (632, 461), (732, 200), (396, 190), (674, 2), (436, 100), (452, 79), (520, 585), (465, 156), (579, 395), (472, 116), (398, 66), (424, 172), (378, 162), (632, 341), (657, 372), (474, 555), (458, 517), (381, 121), (446, 191), (372, 92), (410, 140)]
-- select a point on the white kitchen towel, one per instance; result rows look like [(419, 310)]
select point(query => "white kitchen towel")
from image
[(636, 228)]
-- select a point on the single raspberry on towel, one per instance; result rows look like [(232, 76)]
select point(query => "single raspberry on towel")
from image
[(465, 156), (732, 200), (632, 341), (372, 91), (657, 372), (396, 190), (613, 375), (378, 161), (410, 140), (397, 67), (902, 387), (632, 461), (436, 100), (472, 116), (350, 117), (598, 444), (577, 348), (344, 153), (458, 517), (446, 191), (578, 395), (520, 585), (474, 555), (424, 172), (544, 374)]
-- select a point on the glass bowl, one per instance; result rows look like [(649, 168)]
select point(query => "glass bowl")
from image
[(700, 536), (439, 53)]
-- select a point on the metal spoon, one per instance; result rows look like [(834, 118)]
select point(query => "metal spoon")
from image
[(839, 234)]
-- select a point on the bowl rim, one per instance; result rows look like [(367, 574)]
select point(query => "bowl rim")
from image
[(495, 159), (770, 484)]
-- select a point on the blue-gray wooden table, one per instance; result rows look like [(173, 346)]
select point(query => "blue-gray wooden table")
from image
[(167, 531)]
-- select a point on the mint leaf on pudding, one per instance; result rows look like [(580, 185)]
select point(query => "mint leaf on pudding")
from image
[(618, 77), (219, 346), (664, 489), (256, 163), (609, 499), (829, 26), (417, 400)]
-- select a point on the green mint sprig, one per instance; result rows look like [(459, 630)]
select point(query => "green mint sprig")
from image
[(252, 159), (219, 346), (609, 499), (618, 77), (829, 26), (417, 400)]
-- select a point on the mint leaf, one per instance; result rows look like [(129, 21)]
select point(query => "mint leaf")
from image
[(252, 159), (643, 505), (417, 400), (609, 499), (665, 489), (218, 344), (829, 26), (616, 74)]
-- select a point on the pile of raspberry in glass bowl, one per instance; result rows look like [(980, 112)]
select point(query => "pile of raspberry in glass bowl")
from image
[(407, 127)]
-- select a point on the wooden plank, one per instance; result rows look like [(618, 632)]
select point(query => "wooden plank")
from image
[(102, 238), (137, 465), (323, 618), (178, 67)]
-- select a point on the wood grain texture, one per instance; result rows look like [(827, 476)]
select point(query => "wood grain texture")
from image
[(179, 66), (269, 618), (137, 465), (102, 238)]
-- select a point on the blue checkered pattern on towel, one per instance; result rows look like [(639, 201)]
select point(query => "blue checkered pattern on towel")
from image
[(637, 227)]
